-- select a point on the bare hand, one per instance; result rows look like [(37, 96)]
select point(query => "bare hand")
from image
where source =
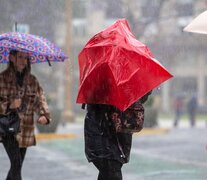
[(16, 103), (42, 120)]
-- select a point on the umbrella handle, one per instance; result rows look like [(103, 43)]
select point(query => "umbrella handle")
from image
[(48, 62)]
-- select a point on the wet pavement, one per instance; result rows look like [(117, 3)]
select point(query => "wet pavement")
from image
[(179, 153)]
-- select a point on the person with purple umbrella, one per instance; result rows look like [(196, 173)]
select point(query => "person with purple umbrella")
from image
[(21, 92)]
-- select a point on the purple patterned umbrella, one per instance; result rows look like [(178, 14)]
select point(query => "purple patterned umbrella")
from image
[(39, 48)]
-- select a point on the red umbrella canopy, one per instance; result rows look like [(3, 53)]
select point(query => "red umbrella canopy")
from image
[(117, 69)]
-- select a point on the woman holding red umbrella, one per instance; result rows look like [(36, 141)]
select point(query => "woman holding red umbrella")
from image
[(115, 71), (21, 92)]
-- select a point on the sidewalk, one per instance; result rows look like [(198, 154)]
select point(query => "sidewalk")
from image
[(178, 153), (44, 164), (76, 129), (168, 123)]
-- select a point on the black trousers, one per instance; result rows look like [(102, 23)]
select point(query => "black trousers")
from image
[(108, 169), (16, 156)]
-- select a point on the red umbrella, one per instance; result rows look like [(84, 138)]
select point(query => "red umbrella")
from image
[(117, 69)]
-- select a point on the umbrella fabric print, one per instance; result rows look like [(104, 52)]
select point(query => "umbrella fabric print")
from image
[(39, 48), (117, 69)]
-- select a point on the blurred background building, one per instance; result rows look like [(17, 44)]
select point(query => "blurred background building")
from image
[(157, 23)]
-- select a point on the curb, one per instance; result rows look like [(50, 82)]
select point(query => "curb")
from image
[(52, 136), (152, 131), (55, 136)]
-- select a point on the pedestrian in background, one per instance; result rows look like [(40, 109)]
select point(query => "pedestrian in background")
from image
[(178, 108), (192, 108), (20, 91)]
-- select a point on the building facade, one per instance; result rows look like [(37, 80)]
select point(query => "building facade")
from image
[(159, 24)]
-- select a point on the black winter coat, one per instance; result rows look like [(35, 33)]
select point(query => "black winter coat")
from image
[(101, 139)]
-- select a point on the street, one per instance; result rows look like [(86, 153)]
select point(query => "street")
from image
[(179, 153)]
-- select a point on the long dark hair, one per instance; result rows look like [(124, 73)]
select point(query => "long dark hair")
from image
[(11, 65)]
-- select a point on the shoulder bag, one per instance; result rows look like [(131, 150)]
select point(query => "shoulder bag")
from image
[(9, 124), (128, 121)]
